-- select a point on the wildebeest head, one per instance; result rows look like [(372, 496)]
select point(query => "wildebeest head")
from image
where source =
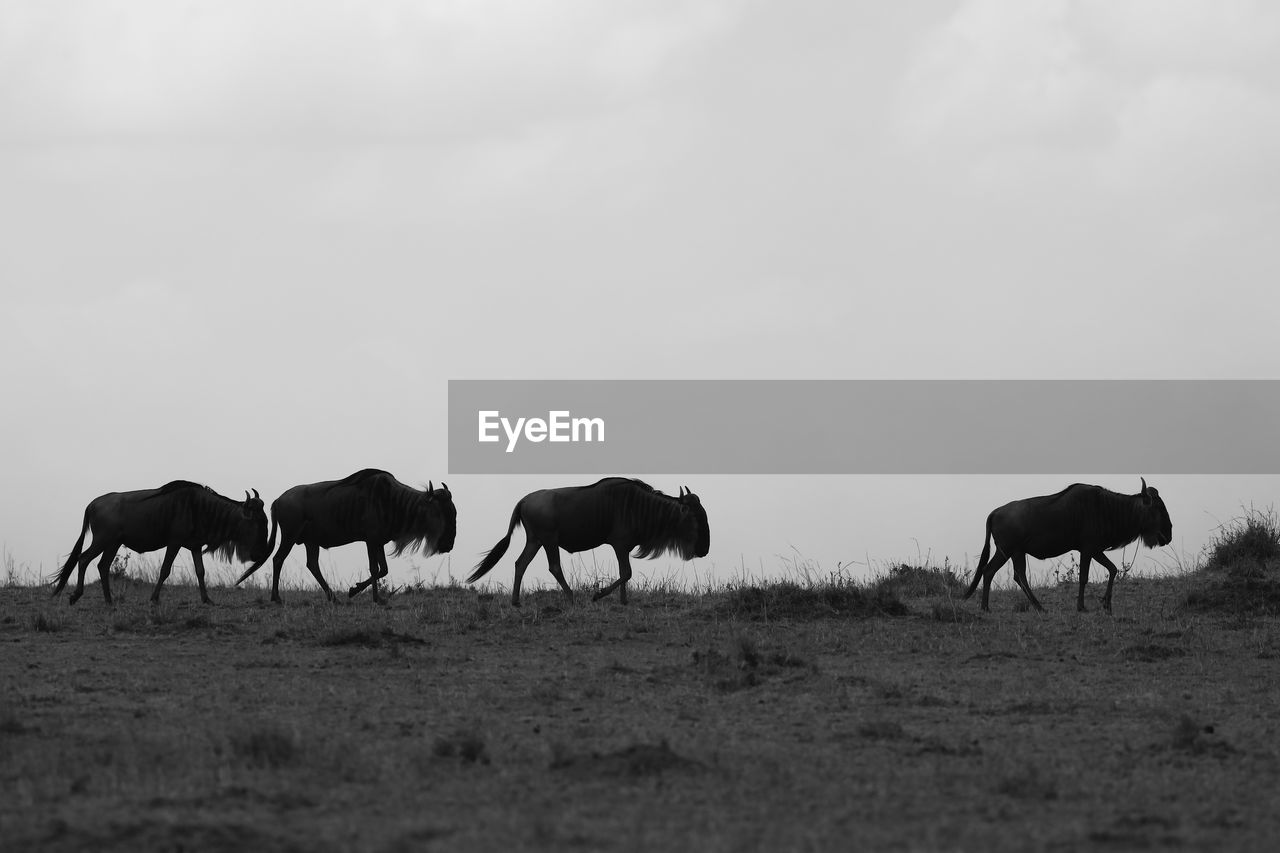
[(694, 528), (442, 501), (251, 530), (1157, 528)]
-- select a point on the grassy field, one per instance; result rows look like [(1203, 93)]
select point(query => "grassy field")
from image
[(777, 718)]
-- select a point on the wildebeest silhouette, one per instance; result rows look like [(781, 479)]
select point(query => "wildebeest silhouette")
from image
[(615, 511), (178, 515), (1088, 519), (370, 506)]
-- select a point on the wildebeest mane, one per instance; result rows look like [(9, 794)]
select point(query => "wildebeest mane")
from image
[(398, 506), (222, 522), (216, 519), (1123, 519), (653, 516)]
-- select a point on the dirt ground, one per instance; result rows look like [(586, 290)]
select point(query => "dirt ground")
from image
[(450, 720)]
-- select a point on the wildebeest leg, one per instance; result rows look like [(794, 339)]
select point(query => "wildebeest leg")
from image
[(1020, 578), (313, 563), (286, 545), (988, 572), (382, 572), (522, 562), (104, 570), (361, 586), (553, 563), (1085, 559), (377, 569), (624, 575), (1111, 567), (166, 566), (197, 562), (85, 559)]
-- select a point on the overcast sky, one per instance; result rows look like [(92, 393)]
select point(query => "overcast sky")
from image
[(248, 243)]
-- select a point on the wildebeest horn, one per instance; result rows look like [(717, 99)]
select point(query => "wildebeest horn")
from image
[(246, 496), (1146, 493), (256, 496), (430, 488), (444, 485)]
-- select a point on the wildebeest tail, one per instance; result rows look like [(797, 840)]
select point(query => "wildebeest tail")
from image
[(982, 561), (271, 547), (59, 580), (495, 553)]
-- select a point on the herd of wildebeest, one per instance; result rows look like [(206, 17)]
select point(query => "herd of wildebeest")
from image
[(373, 507)]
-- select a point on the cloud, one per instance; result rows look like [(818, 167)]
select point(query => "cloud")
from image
[(1122, 95), (1001, 73), (325, 72), (1185, 35), (135, 323), (1204, 136)]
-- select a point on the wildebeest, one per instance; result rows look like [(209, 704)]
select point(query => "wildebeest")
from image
[(370, 506), (615, 511), (177, 515), (1088, 519)]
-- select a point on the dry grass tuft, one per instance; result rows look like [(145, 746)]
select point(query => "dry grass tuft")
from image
[(635, 761), (466, 745), (1241, 576), (1190, 736), (1253, 538), (905, 581), (1151, 652), (265, 746), (45, 623), (1028, 783), (882, 730), (369, 638), (790, 600)]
